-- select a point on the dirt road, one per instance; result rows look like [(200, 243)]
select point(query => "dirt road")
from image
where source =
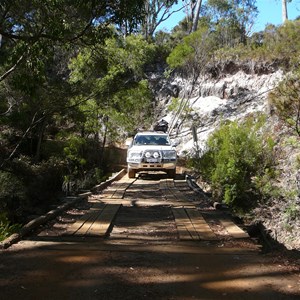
[(164, 241)]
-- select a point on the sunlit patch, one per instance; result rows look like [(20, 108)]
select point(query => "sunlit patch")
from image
[(78, 259), (233, 285), (159, 278)]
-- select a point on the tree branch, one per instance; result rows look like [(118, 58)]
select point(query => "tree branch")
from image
[(12, 68), (32, 125)]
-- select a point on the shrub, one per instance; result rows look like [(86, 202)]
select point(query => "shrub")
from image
[(29, 187), (12, 194), (194, 53), (236, 154), (6, 228), (285, 99)]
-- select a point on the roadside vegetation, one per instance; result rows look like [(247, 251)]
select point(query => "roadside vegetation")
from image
[(238, 164), (70, 89)]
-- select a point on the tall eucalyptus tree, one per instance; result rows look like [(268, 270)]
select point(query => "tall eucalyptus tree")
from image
[(284, 10), (37, 40), (156, 12)]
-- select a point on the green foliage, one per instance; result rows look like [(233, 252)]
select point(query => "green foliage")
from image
[(74, 152), (194, 53), (174, 105), (43, 113), (231, 21), (292, 212), (264, 184), (6, 228), (236, 154), (275, 44), (131, 53), (228, 42), (28, 186), (65, 20), (285, 43), (180, 55), (43, 180), (131, 108), (285, 98), (12, 193), (113, 74)]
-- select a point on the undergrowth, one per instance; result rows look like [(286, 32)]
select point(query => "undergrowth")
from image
[(237, 162), (6, 228)]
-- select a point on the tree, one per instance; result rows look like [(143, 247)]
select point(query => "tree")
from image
[(25, 23), (37, 40), (156, 12), (284, 10), (196, 15), (193, 53), (111, 75), (232, 20), (45, 123), (282, 43)]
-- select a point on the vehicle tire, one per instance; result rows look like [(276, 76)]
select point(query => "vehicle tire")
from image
[(171, 173), (131, 173)]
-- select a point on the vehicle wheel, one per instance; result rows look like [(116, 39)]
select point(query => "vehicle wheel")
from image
[(171, 173), (131, 173)]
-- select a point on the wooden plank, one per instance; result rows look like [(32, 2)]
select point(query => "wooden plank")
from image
[(172, 194), (97, 206), (170, 183), (108, 193), (117, 190), (88, 223), (181, 228), (232, 229), (201, 226), (119, 194), (184, 226), (73, 228), (103, 221), (84, 218), (163, 184), (180, 196), (77, 224)]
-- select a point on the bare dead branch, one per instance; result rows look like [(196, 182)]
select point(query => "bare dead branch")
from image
[(31, 126), (8, 72)]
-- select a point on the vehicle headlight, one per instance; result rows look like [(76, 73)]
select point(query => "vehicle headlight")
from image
[(169, 154), (147, 154), (134, 156), (156, 155)]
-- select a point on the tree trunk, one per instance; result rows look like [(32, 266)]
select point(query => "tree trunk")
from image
[(105, 121), (196, 15), (284, 11), (39, 141)]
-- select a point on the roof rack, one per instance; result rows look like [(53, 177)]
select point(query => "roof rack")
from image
[(151, 131)]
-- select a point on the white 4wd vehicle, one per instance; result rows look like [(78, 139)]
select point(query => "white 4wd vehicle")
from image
[(151, 151)]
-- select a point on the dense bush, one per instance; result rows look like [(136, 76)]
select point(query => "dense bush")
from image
[(30, 188), (194, 53), (6, 228), (235, 162), (12, 193), (279, 45), (285, 99)]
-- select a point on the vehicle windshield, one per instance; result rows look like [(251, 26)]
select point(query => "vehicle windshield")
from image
[(151, 140)]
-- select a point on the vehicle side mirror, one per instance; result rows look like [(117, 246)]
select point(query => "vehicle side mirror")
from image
[(128, 142)]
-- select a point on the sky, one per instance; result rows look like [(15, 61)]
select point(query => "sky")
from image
[(269, 12)]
